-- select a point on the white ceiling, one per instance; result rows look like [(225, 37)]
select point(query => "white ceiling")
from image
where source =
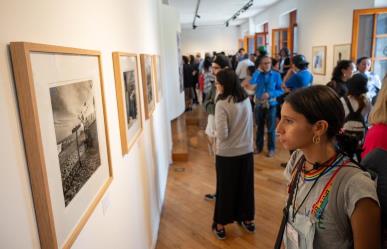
[(215, 12)]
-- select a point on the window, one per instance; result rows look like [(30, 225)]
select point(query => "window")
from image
[(279, 40), (369, 37), (250, 44)]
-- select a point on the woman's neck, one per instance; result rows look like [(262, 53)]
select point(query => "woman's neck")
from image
[(318, 153)]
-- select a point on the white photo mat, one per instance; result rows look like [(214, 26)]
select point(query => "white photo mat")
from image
[(50, 70), (128, 63)]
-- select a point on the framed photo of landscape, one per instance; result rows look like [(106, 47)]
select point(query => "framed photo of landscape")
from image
[(128, 98), (147, 84), (341, 52), (157, 74), (63, 117), (319, 59)]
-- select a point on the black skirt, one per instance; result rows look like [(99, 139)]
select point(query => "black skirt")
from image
[(234, 189)]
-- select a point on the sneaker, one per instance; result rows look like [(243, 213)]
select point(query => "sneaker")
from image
[(249, 227), (270, 153), (257, 151), (210, 197), (220, 234)]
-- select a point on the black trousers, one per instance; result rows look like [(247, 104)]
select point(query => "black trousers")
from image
[(234, 189)]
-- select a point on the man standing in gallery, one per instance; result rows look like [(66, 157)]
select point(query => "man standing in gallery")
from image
[(267, 88), (241, 69)]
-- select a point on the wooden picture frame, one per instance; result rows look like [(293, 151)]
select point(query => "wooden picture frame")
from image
[(157, 75), (319, 60), (126, 74), (341, 52), (51, 102), (147, 84)]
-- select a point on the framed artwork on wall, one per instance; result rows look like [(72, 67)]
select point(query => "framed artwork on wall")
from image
[(319, 59), (147, 84), (180, 61), (341, 52), (157, 74), (128, 98), (63, 117)]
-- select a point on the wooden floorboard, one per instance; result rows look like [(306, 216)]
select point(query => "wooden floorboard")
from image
[(186, 217)]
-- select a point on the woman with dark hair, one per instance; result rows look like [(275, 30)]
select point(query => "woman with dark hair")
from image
[(341, 73), (188, 82), (234, 155), (332, 203), (284, 61), (195, 77), (357, 96)]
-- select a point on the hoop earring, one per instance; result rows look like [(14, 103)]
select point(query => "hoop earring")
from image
[(316, 139)]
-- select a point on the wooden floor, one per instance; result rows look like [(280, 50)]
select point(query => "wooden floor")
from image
[(186, 218)]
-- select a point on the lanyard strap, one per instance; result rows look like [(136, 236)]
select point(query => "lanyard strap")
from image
[(295, 211), (319, 206)]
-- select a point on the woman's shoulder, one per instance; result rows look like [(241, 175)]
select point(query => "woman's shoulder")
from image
[(291, 164), (378, 129)]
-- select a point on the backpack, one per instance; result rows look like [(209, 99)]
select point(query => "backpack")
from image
[(354, 131)]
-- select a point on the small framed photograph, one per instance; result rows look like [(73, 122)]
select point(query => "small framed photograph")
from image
[(157, 74), (63, 117), (319, 59), (128, 98), (341, 52), (148, 84)]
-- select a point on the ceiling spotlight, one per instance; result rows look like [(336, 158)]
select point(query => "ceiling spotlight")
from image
[(240, 11)]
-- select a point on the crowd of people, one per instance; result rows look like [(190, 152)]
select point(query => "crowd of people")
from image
[(336, 134)]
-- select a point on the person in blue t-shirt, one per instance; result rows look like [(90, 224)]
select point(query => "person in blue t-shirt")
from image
[(298, 76), (267, 88)]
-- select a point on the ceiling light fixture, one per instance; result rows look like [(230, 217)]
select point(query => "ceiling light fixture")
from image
[(196, 15), (240, 11)]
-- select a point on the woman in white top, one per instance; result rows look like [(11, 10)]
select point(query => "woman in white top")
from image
[(234, 155)]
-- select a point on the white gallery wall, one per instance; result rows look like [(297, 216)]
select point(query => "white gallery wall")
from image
[(129, 213), (320, 22), (209, 39)]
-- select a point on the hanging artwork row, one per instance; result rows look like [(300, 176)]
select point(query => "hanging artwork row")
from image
[(65, 129)]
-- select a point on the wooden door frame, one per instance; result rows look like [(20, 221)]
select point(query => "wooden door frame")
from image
[(280, 37), (355, 29), (264, 34)]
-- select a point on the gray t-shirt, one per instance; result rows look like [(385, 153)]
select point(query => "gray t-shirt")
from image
[(233, 128), (333, 228)]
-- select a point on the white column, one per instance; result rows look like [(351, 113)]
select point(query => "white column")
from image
[(251, 26)]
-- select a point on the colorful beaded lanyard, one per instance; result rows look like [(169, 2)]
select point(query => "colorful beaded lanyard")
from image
[(314, 175), (319, 206)]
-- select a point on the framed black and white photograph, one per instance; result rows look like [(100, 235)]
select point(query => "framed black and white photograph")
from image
[(341, 52), (62, 112), (319, 59), (148, 84), (73, 109), (157, 75), (128, 98)]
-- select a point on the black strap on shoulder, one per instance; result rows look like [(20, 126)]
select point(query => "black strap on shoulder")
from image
[(348, 104), (285, 216), (352, 111)]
